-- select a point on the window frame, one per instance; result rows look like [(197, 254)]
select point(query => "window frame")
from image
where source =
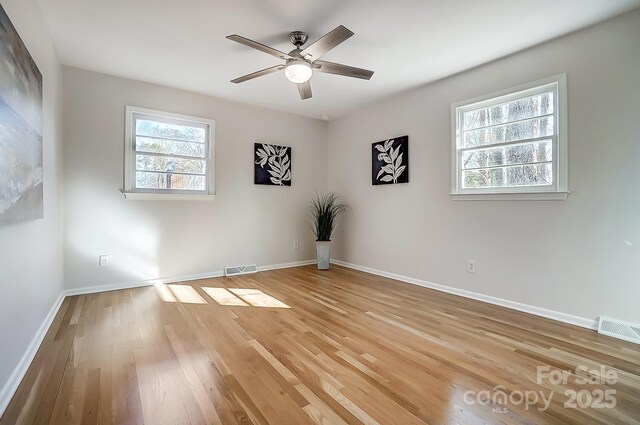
[(559, 189), (133, 193)]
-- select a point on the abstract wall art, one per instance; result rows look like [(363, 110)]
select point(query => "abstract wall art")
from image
[(20, 129), (272, 164), (390, 161)]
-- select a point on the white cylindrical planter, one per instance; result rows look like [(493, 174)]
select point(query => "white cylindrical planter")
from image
[(323, 251)]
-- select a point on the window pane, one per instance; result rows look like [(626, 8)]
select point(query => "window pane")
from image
[(528, 107), (167, 163), (170, 181), (522, 153), (520, 175), (163, 146), (493, 177), (529, 175), (536, 127), (170, 131)]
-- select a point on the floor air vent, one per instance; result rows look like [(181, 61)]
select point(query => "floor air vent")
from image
[(618, 329), (238, 270)]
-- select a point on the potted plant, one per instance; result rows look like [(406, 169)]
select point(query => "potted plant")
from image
[(325, 212)]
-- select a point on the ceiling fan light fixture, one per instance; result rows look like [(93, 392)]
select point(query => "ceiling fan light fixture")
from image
[(298, 71)]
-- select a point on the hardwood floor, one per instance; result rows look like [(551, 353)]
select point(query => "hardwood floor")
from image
[(299, 346)]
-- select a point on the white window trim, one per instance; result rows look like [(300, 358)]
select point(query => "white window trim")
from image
[(131, 193), (560, 188)]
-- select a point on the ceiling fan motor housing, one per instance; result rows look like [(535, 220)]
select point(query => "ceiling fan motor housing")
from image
[(298, 38)]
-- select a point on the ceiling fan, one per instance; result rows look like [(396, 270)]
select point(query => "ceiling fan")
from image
[(300, 63)]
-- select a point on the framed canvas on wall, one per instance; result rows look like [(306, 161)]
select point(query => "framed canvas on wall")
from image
[(390, 161)]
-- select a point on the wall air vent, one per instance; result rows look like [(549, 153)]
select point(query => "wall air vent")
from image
[(239, 270), (619, 329)]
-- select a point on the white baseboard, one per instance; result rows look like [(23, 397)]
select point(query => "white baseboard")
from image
[(514, 305), (16, 377), (11, 386), (140, 283), (286, 265)]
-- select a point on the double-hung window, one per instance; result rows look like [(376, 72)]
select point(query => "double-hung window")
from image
[(168, 156), (512, 144)]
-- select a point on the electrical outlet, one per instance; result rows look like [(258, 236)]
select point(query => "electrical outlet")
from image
[(103, 260), (471, 266), (296, 244)]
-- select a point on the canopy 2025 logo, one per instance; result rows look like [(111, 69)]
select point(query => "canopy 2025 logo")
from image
[(589, 397)]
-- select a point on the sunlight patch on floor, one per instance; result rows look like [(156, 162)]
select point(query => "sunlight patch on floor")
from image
[(257, 298), (165, 293), (186, 294), (236, 297), (224, 297), (243, 297)]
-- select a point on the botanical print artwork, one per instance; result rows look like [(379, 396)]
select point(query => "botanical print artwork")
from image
[(272, 164), (390, 161), (20, 129)]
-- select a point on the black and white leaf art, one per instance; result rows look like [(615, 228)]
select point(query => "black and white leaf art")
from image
[(390, 161), (272, 164)]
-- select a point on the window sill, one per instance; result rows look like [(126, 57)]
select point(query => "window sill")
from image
[(510, 196), (141, 196)]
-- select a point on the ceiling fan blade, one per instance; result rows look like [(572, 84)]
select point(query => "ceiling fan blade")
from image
[(305, 90), (258, 74), (326, 43), (339, 69), (259, 46)]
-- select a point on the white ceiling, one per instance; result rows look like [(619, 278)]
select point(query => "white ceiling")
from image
[(406, 42)]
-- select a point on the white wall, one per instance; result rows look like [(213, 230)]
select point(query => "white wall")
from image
[(245, 223), (580, 256), (31, 253)]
